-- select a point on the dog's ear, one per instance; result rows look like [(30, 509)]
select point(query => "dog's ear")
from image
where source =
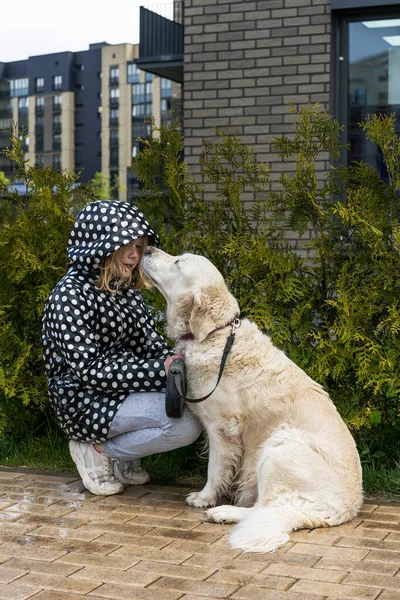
[(212, 307)]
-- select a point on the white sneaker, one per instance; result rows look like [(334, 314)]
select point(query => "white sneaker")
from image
[(130, 472), (95, 469)]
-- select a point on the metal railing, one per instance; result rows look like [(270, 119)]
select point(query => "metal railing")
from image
[(172, 10)]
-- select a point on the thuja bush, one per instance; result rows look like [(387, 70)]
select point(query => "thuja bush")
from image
[(33, 241), (334, 309)]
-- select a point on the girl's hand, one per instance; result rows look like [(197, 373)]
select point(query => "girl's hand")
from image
[(169, 360)]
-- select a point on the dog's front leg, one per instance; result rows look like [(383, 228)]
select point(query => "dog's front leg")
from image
[(223, 457)]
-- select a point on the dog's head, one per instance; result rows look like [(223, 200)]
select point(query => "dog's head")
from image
[(198, 300)]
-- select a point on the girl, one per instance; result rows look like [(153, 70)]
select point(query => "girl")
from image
[(105, 363)]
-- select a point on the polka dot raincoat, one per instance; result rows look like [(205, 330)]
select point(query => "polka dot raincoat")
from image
[(99, 347)]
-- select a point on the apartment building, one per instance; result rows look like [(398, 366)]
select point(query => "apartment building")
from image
[(83, 111)]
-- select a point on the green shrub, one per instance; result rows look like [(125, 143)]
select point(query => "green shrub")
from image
[(33, 258), (334, 309)]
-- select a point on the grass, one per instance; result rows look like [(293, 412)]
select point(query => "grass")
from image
[(183, 466)]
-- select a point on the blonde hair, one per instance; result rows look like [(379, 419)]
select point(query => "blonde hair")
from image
[(112, 266)]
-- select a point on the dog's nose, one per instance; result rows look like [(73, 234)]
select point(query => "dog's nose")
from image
[(149, 250)]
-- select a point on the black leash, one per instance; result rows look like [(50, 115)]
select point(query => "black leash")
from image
[(177, 368)]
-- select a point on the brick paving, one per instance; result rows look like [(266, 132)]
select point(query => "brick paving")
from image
[(59, 542)]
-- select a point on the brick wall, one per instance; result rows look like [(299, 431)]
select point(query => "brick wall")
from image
[(244, 61)]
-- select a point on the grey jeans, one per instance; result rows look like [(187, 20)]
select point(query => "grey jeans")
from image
[(141, 428)]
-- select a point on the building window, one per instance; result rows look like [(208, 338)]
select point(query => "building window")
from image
[(57, 82), (57, 123), (56, 141), (114, 75), (114, 116), (39, 84), (39, 123), (57, 100), (369, 69), (149, 76), (23, 105), (19, 87), (80, 67), (39, 142), (166, 88), (114, 96), (39, 102), (114, 137), (133, 73), (138, 93), (114, 157), (57, 162)]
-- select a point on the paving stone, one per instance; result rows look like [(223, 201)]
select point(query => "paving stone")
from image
[(201, 588), (95, 560), (111, 590), (140, 553), (253, 593), (8, 574), (331, 551), (350, 592), (243, 578), (15, 591), (300, 572), (39, 566), (61, 584), (105, 575), (351, 542), (373, 580), (17, 550), (365, 565), (168, 569)]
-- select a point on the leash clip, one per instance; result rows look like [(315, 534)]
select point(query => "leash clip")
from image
[(235, 325)]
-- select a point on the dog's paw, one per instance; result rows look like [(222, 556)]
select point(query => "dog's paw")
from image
[(200, 500), (226, 514)]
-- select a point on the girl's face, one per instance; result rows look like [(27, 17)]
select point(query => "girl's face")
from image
[(129, 257)]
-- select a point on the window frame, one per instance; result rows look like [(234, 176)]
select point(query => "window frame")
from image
[(340, 59)]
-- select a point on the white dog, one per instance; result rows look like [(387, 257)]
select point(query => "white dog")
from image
[(277, 444)]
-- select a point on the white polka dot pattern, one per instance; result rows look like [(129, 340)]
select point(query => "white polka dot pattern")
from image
[(99, 347)]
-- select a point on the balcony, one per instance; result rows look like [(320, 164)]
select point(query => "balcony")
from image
[(161, 40)]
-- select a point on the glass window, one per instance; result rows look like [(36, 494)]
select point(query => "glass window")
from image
[(114, 136), (166, 88), (57, 101), (114, 113), (39, 102), (23, 103), (57, 82), (133, 73), (39, 84), (138, 93), (114, 94), (373, 81), (57, 162), (19, 87), (114, 74)]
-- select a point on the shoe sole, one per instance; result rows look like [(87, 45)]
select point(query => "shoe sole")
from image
[(87, 482)]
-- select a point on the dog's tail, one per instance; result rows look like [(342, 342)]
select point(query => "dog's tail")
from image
[(267, 528)]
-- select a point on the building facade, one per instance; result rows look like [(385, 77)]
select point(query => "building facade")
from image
[(243, 61), (83, 111)]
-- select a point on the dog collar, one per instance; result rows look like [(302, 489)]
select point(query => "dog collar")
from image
[(235, 323)]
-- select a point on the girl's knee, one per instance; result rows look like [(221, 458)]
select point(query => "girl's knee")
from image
[(187, 428)]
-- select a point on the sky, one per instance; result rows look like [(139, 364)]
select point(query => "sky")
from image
[(36, 27)]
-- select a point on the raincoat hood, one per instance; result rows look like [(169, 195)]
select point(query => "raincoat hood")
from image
[(101, 228)]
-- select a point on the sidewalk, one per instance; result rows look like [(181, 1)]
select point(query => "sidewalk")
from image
[(58, 542)]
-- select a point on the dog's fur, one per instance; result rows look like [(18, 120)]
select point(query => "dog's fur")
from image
[(277, 444)]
